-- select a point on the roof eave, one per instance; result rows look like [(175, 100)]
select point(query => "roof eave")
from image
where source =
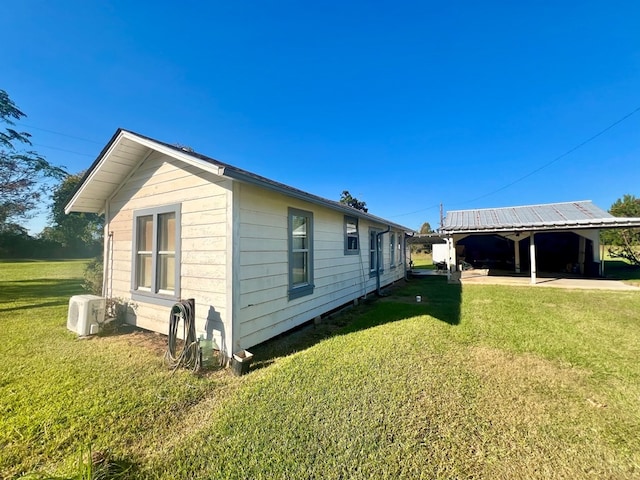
[(238, 175), (112, 147), (614, 222), (207, 164)]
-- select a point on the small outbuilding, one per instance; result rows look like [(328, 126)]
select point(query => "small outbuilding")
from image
[(258, 257), (556, 237)]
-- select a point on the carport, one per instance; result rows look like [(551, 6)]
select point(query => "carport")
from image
[(557, 237)]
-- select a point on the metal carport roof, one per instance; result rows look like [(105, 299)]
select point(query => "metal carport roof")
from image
[(532, 218)]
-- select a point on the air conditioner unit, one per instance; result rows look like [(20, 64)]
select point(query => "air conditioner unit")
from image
[(86, 313)]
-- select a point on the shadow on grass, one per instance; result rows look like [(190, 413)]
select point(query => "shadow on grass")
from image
[(38, 292), (33, 260), (439, 300), (621, 270)]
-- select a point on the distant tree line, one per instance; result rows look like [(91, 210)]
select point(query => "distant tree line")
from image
[(624, 242), (25, 181), (26, 178)]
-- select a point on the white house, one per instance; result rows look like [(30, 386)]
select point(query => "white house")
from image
[(258, 257)]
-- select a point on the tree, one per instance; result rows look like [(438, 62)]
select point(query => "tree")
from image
[(624, 242), (22, 171), (426, 228), (79, 233), (353, 202)]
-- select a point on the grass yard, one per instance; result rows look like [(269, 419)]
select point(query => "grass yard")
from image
[(474, 382), (422, 260)]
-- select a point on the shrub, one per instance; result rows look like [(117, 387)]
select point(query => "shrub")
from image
[(92, 277)]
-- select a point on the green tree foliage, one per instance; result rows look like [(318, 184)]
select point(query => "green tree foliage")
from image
[(22, 171), (92, 276), (426, 228), (81, 233), (625, 242), (347, 199), (15, 242)]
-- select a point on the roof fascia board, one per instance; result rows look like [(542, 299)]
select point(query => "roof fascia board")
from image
[(219, 170), (115, 143), (93, 170), (616, 222), (300, 195), (185, 157)]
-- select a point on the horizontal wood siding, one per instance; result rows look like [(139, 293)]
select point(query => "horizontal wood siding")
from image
[(161, 180), (264, 309)]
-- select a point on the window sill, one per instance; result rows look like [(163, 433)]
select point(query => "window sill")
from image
[(148, 297), (301, 291)]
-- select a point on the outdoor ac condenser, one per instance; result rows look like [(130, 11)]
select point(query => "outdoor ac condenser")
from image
[(86, 313)]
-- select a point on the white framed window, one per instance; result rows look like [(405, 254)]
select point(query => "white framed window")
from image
[(351, 236), (300, 253), (375, 251), (155, 275), (392, 249)]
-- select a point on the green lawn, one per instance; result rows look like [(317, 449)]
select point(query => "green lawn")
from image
[(422, 260), (474, 382)]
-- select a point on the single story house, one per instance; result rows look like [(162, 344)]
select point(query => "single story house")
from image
[(556, 237), (258, 257)]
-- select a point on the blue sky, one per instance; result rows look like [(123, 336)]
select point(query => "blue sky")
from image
[(405, 104)]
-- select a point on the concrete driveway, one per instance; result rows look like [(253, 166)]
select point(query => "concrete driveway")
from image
[(546, 280)]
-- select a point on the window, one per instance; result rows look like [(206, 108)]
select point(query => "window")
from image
[(375, 249), (351, 239), (392, 249), (300, 253), (156, 254), (400, 249)]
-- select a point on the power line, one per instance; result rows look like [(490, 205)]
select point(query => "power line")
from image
[(417, 211), (559, 157), (63, 150), (61, 134), (533, 172)]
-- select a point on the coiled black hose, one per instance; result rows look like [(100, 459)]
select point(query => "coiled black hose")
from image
[(189, 355)]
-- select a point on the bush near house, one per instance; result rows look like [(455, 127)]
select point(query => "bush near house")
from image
[(478, 382)]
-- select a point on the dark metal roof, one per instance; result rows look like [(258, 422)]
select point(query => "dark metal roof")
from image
[(101, 179), (552, 216)]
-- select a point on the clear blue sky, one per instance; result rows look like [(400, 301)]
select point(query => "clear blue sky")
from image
[(405, 104)]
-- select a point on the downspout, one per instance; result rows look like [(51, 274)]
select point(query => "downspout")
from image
[(406, 270), (105, 252), (378, 236)]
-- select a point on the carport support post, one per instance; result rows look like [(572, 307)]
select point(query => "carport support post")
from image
[(516, 245), (582, 247), (532, 257), (452, 257)]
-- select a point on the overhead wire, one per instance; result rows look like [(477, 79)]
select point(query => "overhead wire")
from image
[(488, 194), (74, 137), (59, 133), (536, 170), (559, 157), (63, 150)]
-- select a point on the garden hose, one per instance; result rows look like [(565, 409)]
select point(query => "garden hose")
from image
[(189, 355)]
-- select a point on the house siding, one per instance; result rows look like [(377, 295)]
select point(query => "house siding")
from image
[(233, 243), (264, 309), (162, 180)]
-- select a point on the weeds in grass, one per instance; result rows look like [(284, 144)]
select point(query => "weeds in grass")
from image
[(474, 382), (94, 465)]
